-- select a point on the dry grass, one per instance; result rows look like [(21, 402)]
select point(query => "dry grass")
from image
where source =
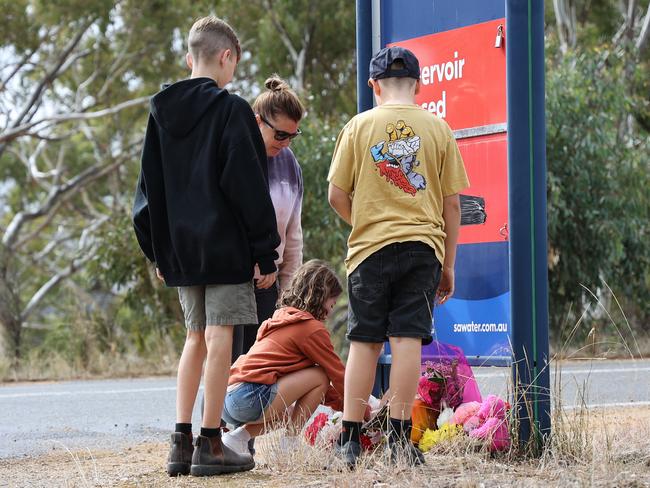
[(55, 367), (588, 448), (598, 447)]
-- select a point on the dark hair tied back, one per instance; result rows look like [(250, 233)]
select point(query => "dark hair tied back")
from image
[(278, 99), (276, 84)]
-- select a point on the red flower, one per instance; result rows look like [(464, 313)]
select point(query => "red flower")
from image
[(439, 382), (311, 432), (366, 443), (430, 390)]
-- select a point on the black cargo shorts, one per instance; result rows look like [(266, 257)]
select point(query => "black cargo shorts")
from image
[(392, 293)]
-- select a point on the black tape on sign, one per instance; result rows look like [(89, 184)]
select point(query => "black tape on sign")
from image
[(472, 210)]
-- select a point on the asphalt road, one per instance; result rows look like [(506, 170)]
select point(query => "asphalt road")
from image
[(40, 417)]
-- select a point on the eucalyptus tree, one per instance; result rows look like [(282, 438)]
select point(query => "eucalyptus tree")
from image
[(75, 79)]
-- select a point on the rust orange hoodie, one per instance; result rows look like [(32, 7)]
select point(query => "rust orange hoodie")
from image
[(290, 341)]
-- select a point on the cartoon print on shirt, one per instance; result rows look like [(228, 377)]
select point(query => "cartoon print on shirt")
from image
[(396, 158)]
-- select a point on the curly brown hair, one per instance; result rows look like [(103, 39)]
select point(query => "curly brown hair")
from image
[(312, 285)]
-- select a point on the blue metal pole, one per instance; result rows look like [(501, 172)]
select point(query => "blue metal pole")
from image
[(364, 53), (527, 204), (364, 102)]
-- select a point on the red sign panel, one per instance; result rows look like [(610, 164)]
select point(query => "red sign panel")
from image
[(486, 163), (463, 74)]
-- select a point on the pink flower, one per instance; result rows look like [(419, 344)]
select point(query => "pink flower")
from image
[(464, 412), (495, 431), (471, 423), (440, 381), (492, 406), (430, 391)]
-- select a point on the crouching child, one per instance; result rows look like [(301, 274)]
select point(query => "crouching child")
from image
[(292, 360)]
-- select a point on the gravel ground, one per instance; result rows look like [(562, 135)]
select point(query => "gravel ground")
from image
[(595, 448)]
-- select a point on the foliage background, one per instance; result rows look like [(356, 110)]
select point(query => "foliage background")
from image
[(76, 295)]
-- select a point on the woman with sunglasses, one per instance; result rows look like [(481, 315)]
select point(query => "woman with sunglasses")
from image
[(278, 111)]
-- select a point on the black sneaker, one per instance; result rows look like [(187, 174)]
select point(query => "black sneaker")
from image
[(212, 457), (405, 451), (180, 454), (348, 452)]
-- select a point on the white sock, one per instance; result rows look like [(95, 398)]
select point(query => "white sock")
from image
[(241, 434), (237, 440)]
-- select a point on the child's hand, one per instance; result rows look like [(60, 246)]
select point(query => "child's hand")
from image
[(159, 275), (446, 286), (265, 281)]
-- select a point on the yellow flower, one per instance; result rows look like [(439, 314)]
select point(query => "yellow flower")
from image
[(432, 437)]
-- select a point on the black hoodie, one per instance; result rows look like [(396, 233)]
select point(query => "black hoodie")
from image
[(202, 209)]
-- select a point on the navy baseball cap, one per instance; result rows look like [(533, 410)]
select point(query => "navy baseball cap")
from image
[(380, 64)]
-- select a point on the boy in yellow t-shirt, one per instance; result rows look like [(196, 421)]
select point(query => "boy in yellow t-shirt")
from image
[(395, 177)]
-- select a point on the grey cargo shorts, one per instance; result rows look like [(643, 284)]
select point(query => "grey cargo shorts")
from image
[(205, 305)]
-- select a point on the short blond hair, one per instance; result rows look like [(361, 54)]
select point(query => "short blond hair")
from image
[(209, 36)]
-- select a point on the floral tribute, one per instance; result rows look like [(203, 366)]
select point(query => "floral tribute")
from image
[(448, 404), (324, 428), (440, 385), (313, 429)]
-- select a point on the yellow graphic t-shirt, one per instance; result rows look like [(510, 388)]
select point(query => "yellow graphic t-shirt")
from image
[(397, 162)]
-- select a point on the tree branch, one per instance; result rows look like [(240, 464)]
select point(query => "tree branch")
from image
[(36, 232), (33, 104), (565, 20), (36, 259), (61, 118), (57, 196), (34, 172), (118, 66), (48, 34), (53, 72), (630, 16), (72, 268), (642, 40), (284, 35), (25, 59)]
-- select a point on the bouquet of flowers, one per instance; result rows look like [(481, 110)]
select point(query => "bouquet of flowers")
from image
[(487, 421), (324, 428), (440, 384), (313, 429), (446, 382), (432, 437)]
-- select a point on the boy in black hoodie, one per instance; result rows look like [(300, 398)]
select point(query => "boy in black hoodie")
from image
[(203, 215)]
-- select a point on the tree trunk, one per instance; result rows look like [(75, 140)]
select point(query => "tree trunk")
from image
[(565, 20), (10, 317)]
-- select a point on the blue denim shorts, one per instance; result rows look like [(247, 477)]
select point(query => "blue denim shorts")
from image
[(247, 402)]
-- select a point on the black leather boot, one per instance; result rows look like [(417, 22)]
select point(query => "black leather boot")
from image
[(211, 457), (180, 454)]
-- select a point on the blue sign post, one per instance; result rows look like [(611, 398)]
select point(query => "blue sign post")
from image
[(467, 51), (528, 252)]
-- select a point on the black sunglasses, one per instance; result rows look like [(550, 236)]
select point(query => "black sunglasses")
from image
[(281, 135)]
